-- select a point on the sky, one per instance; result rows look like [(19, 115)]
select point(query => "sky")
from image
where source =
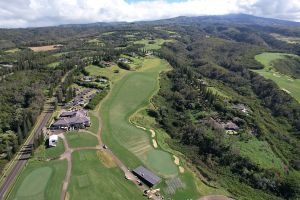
[(35, 13)]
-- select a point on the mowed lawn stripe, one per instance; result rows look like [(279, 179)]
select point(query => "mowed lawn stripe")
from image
[(129, 94)]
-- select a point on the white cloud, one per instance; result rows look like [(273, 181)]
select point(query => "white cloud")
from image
[(24, 13)]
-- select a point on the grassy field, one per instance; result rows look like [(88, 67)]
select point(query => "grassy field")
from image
[(40, 181), (156, 45), (52, 152), (44, 48), (131, 144), (97, 180), (260, 153), (81, 139), (94, 123), (286, 83), (109, 72)]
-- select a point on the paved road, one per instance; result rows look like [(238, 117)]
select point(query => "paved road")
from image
[(24, 155)]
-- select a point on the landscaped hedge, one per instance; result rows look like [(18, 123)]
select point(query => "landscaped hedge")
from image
[(96, 100)]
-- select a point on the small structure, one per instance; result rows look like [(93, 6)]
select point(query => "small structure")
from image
[(87, 79), (53, 139), (124, 60), (146, 176), (241, 107), (102, 80)]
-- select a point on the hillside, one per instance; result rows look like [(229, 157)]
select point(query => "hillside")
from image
[(209, 104)]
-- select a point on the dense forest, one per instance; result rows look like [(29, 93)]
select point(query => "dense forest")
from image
[(211, 91)]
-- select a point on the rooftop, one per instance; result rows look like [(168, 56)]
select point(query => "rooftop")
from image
[(147, 175)]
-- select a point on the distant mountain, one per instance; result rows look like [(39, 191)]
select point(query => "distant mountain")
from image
[(225, 19)]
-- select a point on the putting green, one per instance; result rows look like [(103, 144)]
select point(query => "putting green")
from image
[(40, 181), (36, 187), (129, 143)]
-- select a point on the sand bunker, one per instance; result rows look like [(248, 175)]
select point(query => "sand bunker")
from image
[(176, 160), (286, 91), (154, 143), (181, 169), (141, 127), (152, 133)]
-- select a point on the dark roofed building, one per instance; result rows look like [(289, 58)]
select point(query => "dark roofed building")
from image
[(146, 176)]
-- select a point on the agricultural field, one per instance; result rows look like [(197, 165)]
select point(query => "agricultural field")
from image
[(152, 44), (44, 48), (259, 152), (99, 178), (290, 40), (81, 139), (40, 181), (286, 83)]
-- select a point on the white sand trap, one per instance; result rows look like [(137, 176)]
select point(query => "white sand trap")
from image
[(286, 91), (154, 143), (141, 127), (181, 169), (152, 133), (176, 160), (276, 75)]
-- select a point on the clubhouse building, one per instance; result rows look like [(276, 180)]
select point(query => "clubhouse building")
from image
[(72, 120)]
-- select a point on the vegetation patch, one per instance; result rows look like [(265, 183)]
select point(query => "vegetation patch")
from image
[(106, 159), (260, 153), (152, 44), (96, 99), (44, 48)]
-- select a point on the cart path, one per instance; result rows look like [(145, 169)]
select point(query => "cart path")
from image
[(68, 156)]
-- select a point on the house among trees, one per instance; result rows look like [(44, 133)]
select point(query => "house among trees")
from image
[(241, 107), (72, 120), (230, 126), (87, 79)]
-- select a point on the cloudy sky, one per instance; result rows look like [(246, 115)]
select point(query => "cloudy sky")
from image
[(31, 13)]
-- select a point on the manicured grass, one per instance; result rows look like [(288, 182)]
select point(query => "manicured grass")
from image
[(40, 180), (130, 144), (81, 139), (156, 45), (288, 84), (94, 123), (108, 72), (259, 152), (94, 180)]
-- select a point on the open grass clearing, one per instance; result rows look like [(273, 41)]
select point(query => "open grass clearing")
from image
[(129, 143), (152, 44), (286, 83), (93, 180), (81, 139), (260, 153), (40, 181), (287, 39), (53, 65), (94, 123), (14, 50), (44, 48), (113, 72)]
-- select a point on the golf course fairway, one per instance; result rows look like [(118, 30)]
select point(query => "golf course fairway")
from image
[(133, 145)]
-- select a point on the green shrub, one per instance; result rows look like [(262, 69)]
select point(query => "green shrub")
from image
[(96, 100)]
